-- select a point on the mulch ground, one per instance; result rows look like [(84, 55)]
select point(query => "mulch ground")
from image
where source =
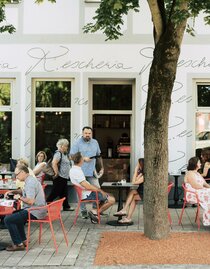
[(134, 248)]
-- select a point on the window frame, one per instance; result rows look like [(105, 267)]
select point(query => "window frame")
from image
[(199, 109), (47, 109), (13, 2), (10, 108), (131, 112)]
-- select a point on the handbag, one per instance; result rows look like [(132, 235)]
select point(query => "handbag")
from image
[(48, 169)]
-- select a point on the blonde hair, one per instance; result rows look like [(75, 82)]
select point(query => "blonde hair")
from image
[(23, 161)]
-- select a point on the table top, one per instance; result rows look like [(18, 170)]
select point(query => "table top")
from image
[(6, 202), (175, 174), (6, 173), (8, 187), (118, 185)]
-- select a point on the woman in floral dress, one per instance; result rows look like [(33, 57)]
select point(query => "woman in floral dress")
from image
[(195, 182)]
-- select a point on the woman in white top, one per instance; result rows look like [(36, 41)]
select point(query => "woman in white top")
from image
[(41, 158)]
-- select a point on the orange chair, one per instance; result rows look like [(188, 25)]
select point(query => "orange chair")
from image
[(197, 217), (53, 213), (170, 185), (79, 194)]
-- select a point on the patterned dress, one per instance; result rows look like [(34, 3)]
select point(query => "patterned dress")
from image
[(204, 197)]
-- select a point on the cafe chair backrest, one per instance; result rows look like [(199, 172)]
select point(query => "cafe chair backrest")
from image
[(79, 191), (53, 214), (13, 164), (196, 201)]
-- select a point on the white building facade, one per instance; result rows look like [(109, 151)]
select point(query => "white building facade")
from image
[(54, 80)]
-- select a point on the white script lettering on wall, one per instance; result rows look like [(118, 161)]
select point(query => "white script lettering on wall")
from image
[(64, 60)]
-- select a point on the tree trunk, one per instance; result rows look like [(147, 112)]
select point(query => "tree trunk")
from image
[(161, 80)]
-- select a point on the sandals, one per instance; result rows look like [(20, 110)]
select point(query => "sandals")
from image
[(15, 247), (93, 217), (125, 221), (120, 214)]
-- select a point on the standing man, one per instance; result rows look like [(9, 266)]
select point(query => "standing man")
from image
[(90, 150), (32, 195)]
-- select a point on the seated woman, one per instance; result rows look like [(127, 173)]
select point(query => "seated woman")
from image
[(41, 158), (205, 169), (134, 195), (195, 182)]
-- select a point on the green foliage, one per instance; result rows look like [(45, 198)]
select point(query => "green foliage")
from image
[(41, 1), (109, 15), (8, 27)]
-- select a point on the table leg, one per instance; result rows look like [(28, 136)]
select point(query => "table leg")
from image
[(176, 194), (176, 191)]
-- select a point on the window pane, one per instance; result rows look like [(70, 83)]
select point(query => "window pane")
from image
[(53, 94), (5, 94), (112, 97), (5, 137), (202, 122), (202, 139), (204, 95), (51, 126), (12, 1)]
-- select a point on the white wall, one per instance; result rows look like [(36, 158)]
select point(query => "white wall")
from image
[(49, 43)]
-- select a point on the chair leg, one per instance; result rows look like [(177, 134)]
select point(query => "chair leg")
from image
[(77, 213), (198, 216), (180, 218), (53, 236), (64, 232), (28, 236), (169, 218), (40, 232), (98, 212)]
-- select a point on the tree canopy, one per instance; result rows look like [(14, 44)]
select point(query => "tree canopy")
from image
[(109, 15)]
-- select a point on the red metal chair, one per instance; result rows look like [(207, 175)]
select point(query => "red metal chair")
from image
[(53, 214), (170, 185), (197, 201), (79, 194)]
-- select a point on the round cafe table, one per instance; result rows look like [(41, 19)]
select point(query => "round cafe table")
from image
[(120, 188)]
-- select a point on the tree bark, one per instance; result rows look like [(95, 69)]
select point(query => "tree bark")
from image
[(161, 80)]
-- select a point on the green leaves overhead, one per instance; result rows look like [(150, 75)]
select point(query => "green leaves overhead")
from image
[(109, 15), (41, 1), (7, 27)]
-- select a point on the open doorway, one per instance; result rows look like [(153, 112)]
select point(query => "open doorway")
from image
[(112, 121)]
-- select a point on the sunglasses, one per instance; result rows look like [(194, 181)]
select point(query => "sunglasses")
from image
[(18, 173)]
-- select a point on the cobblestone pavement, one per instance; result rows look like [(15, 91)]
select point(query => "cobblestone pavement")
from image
[(83, 241)]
